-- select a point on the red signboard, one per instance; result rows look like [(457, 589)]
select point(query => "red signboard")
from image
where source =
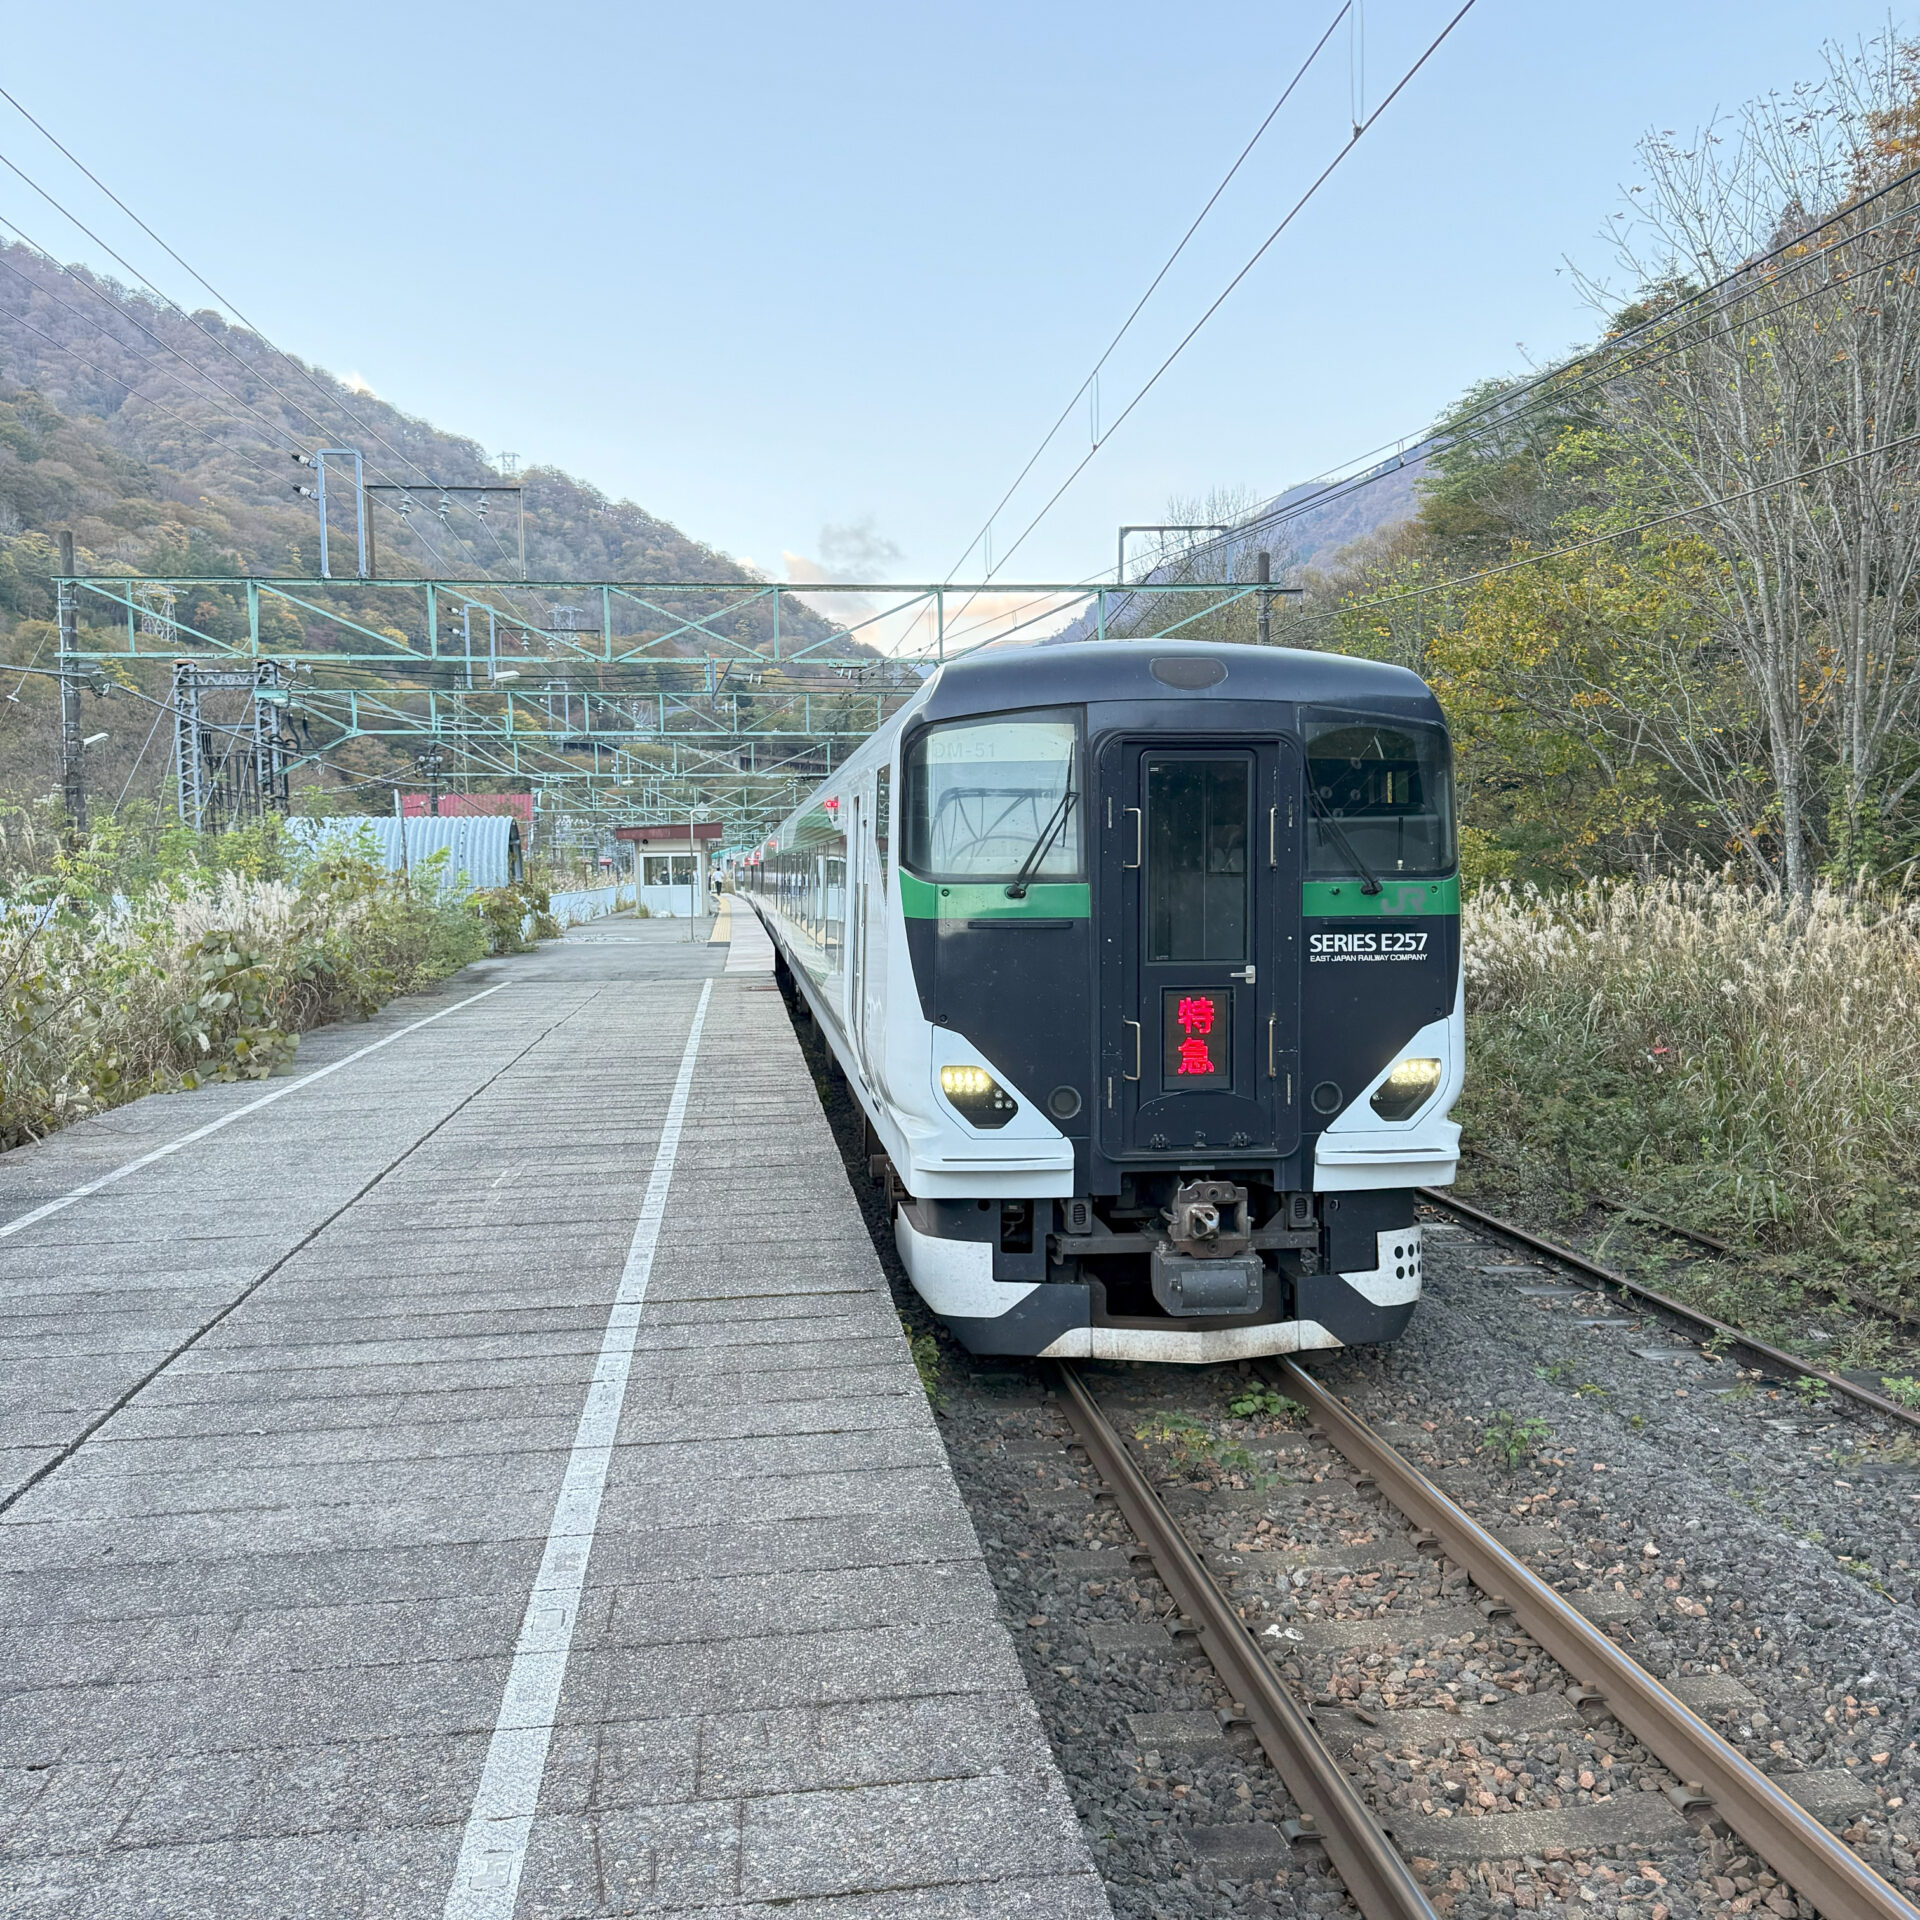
[(483, 806), (702, 830)]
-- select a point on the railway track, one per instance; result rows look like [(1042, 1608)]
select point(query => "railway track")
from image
[(1718, 1333), (1372, 1849)]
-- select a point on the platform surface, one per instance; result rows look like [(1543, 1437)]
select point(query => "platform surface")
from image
[(489, 1478)]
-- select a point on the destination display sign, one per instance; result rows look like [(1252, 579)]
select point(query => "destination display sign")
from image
[(1196, 1038)]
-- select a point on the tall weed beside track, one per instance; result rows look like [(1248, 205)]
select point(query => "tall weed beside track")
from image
[(1739, 1063), (206, 975)]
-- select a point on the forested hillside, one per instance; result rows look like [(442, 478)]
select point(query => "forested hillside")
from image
[(164, 441), (157, 436), (1670, 592)]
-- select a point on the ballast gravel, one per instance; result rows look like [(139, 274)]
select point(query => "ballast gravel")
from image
[(1761, 1544), (1772, 1535)]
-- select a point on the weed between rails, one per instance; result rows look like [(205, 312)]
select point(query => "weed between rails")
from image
[(1511, 1439), (1192, 1448)]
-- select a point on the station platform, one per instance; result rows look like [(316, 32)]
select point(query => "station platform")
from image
[(482, 1474)]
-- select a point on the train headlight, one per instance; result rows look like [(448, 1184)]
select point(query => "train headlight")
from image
[(1406, 1089), (977, 1096)]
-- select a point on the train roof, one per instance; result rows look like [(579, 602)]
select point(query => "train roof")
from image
[(994, 679)]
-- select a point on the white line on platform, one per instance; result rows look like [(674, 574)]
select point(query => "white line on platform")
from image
[(493, 1850), (239, 1113)]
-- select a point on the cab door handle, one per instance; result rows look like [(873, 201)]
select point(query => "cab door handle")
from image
[(1242, 973), (1139, 840), (1135, 1074)]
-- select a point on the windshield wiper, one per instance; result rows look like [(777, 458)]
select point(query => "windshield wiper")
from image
[(1056, 820), (1369, 880)]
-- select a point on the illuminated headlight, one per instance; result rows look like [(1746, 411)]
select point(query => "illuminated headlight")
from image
[(1406, 1089), (977, 1096)]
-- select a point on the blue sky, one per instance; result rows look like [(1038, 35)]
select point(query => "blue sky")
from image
[(775, 272)]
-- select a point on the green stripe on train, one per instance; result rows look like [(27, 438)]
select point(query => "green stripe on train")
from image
[(977, 900), (1342, 899)]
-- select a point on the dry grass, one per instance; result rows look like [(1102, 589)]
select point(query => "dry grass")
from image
[(1749, 1067), (205, 976)]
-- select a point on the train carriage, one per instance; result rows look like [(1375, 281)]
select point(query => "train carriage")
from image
[(1142, 960)]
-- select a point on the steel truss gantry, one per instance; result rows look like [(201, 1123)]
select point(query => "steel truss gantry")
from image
[(733, 695), (743, 625), (229, 771)]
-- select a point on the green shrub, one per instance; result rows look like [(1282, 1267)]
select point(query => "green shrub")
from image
[(515, 916)]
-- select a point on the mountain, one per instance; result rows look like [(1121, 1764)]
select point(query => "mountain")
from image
[(165, 442), (1299, 538), (1351, 510), (142, 427)]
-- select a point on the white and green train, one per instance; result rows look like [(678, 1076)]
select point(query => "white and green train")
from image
[(1143, 962)]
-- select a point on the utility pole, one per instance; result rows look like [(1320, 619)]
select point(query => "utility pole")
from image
[(73, 776), (1263, 572), (430, 763), (318, 494)]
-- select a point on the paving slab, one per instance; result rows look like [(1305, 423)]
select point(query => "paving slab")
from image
[(268, 1617)]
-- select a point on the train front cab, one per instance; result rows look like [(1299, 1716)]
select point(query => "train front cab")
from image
[(1264, 914)]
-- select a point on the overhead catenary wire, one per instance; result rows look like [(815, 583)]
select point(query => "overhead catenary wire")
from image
[(1259, 253), (1323, 614), (1153, 285)]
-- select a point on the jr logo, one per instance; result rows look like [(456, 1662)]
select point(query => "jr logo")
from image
[(1404, 896)]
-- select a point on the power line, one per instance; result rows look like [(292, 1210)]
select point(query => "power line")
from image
[(1259, 252), (1518, 400), (332, 398), (1616, 533), (1153, 285)]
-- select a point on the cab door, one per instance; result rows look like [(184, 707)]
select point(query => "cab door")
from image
[(1199, 987)]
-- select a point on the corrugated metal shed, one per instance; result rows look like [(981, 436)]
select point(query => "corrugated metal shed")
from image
[(481, 852)]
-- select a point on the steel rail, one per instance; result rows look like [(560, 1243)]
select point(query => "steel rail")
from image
[(1379, 1881), (1854, 1298), (1791, 1841), (1724, 1335)]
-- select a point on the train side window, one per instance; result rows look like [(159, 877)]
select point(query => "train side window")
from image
[(994, 799), (1196, 880), (1379, 793)]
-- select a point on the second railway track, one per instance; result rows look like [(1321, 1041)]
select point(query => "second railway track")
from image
[(1695, 1778), (1716, 1332)]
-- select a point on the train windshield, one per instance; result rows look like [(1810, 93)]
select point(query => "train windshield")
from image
[(1379, 797), (995, 799)]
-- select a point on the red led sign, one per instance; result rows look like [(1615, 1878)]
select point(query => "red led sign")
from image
[(1196, 1039)]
